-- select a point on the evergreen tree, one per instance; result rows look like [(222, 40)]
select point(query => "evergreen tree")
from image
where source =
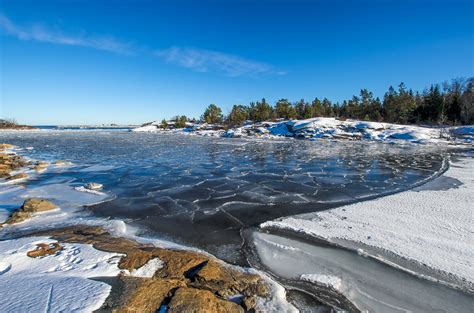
[(390, 105), (453, 99), (308, 113), (316, 107), (434, 103), (467, 101), (212, 115), (300, 109), (238, 115), (406, 104), (326, 108), (283, 109), (353, 107), (263, 111), (180, 121)]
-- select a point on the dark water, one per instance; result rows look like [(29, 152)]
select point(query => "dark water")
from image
[(203, 191)]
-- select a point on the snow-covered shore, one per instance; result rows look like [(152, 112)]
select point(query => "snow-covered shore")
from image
[(327, 128), (55, 283), (66, 280), (426, 231)]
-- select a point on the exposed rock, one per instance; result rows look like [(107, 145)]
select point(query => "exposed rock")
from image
[(37, 205), (61, 163), (10, 162), (40, 166), (250, 302), (93, 186), (29, 207), (43, 249), (149, 295), (196, 300), (18, 176), (187, 282), (4, 146)]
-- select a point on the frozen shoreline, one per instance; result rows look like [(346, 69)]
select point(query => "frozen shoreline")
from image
[(425, 231), (52, 277), (326, 128), (70, 200)]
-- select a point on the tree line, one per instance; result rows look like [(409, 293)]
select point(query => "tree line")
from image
[(449, 103)]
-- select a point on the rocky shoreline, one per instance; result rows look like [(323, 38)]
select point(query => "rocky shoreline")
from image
[(187, 281), (179, 280)]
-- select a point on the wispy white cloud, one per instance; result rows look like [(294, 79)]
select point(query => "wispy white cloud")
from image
[(201, 60), (42, 34)]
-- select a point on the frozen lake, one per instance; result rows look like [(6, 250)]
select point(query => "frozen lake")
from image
[(202, 191), (211, 193)]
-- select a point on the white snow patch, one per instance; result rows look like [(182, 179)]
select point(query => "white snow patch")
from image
[(54, 283), (149, 269), (147, 129), (277, 302)]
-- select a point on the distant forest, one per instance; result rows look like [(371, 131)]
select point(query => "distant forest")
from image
[(449, 103)]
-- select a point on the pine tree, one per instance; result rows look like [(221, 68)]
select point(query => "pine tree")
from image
[(212, 115), (263, 111), (238, 115), (316, 107), (164, 124), (284, 109), (326, 107), (467, 100), (300, 109), (180, 121)]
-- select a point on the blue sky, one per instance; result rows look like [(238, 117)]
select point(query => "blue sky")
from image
[(71, 62)]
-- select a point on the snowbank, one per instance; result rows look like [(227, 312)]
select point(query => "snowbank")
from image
[(327, 128), (430, 226), (147, 128), (54, 283)]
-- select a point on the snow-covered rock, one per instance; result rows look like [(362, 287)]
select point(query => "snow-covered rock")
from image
[(328, 128), (147, 128), (281, 129)]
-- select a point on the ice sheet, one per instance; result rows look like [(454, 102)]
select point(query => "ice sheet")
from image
[(429, 226)]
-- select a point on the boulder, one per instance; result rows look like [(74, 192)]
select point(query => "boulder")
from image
[(4, 146), (10, 162), (40, 166), (93, 186), (37, 205), (44, 249), (29, 207), (18, 176)]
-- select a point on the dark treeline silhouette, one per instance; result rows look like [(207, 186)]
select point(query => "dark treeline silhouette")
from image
[(451, 103)]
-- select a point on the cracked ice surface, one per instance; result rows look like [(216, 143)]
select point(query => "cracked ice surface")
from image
[(201, 191)]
